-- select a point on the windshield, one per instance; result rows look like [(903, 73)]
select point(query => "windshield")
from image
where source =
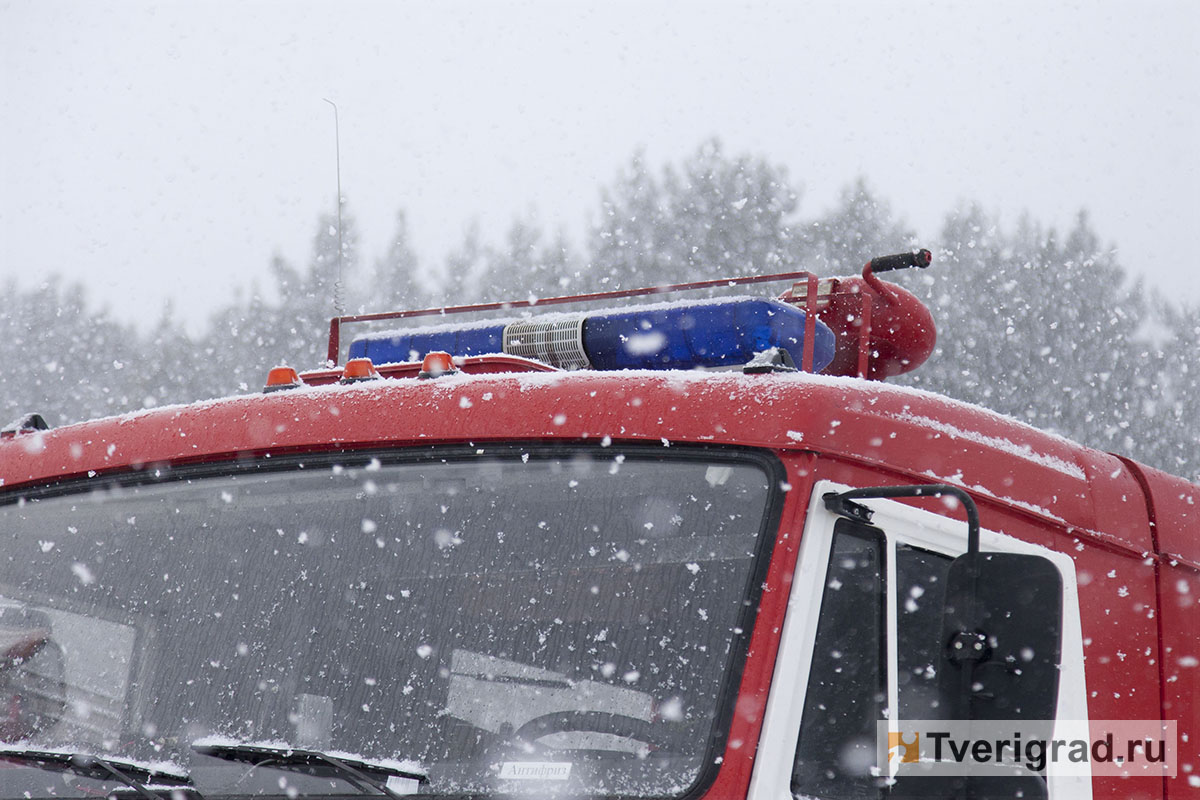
[(515, 620)]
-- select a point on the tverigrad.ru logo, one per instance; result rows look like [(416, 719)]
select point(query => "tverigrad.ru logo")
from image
[(904, 751), (1127, 748)]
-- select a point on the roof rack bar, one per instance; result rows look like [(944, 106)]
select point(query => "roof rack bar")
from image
[(335, 324), (808, 352)]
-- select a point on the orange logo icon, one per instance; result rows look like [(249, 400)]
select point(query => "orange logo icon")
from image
[(909, 751)]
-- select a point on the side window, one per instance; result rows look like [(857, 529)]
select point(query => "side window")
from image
[(847, 688), (920, 595)]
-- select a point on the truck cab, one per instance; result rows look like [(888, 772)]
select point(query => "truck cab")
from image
[(480, 574)]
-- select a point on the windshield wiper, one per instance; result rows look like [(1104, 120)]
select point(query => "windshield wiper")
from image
[(88, 765), (365, 775)]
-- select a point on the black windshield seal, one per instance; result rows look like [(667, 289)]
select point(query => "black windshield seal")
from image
[(765, 460)]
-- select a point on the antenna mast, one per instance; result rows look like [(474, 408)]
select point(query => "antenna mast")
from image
[(339, 307)]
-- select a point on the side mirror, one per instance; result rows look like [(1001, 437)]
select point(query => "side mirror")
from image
[(1002, 629), (1002, 637), (1001, 623)]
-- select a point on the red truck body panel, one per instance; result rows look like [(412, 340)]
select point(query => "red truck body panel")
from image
[(1133, 532), (921, 436)]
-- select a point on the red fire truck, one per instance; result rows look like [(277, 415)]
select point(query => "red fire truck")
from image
[(674, 550)]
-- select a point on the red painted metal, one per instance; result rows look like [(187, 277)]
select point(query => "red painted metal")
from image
[(734, 780), (472, 365), (1177, 614), (863, 368), (810, 324), (1173, 507), (1177, 513), (1116, 594), (922, 436), (880, 329)]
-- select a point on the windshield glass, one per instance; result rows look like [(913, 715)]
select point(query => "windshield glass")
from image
[(517, 620)]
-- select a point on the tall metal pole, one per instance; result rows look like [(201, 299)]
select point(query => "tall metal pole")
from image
[(338, 307)]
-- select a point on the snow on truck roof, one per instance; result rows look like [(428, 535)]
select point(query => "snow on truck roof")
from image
[(625, 375), (906, 431)]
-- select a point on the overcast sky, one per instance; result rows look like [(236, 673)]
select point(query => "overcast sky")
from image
[(167, 150)]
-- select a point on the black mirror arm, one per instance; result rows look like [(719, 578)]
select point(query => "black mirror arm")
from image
[(842, 505)]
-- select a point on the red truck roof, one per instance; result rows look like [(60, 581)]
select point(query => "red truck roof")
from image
[(924, 437)]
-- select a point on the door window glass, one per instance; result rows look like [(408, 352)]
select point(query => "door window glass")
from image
[(846, 687), (920, 595)]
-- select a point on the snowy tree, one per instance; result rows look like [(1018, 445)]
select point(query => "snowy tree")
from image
[(287, 324), (712, 216), (465, 278), (398, 281), (728, 215), (528, 266), (64, 359), (1039, 328), (1166, 425), (624, 247), (248, 337), (184, 369), (296, 326), (859, 228), (329, 273)]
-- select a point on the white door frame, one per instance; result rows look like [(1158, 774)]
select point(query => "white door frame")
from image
[(905, 524)]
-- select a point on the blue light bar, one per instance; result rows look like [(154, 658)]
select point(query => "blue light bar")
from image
[(714, 333)]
